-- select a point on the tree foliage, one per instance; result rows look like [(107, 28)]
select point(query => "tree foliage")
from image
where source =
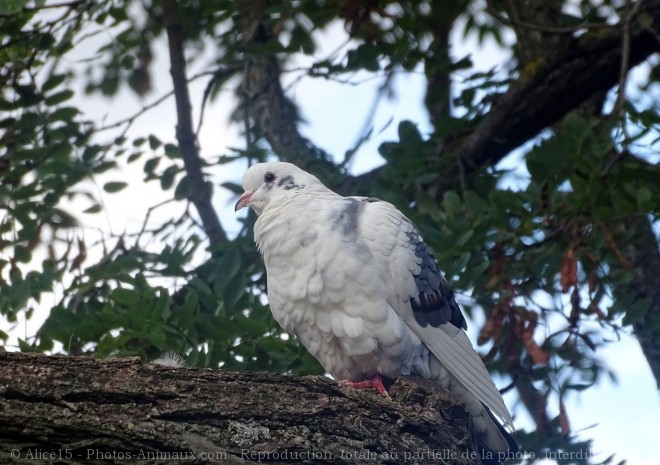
[(558, 254)]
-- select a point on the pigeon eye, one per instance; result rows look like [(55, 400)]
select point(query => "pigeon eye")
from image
[(269, 177)]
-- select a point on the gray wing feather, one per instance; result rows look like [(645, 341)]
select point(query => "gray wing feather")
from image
[(411, 272)]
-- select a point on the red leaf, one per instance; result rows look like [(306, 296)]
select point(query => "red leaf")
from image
[(564, 422), (568, 270)]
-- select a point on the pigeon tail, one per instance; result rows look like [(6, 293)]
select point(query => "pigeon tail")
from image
[(489, 455)]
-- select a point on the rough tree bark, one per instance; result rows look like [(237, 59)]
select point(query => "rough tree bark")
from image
[(645, 285), (83, 410), (262, 90)]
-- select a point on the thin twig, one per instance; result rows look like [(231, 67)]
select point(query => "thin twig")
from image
[(150, 210), (221, 73), (513, 22), (31, 9), (246, 122), (46, 6), (369, 119), (130, 119), (461, 174), (618, 110)]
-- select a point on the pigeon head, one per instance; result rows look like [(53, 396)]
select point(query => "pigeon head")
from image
[(274, 183)]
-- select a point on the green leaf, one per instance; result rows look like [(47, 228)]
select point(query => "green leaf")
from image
[(151, 164), (645, 199), (63, 114), (233, 187), (172, 151), (537, 168), (636, 311), (465, 237), (53, 81), (462, 260), (114, 186), (25, 346), (185, 312), (118, 14), (22, 254), (133, 157), (128, 297), (154, 142), (167, 178), (93, 209), (452, 204), (91, 151), (182, 189), (104, 166), (8, 7), (162, 309), (59, 97), (301, 39), (365, 56), (28, 94), (409, 133)]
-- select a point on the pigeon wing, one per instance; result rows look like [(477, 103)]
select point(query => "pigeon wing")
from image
[(422, 297)]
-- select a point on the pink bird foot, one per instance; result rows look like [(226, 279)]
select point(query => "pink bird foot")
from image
[(374, 383)]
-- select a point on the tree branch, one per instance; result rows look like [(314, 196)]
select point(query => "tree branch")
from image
[(105, 410), (275, 114), (547, 89), (200, 190), (533, 43), (645, 286), (438, 90), (540, 27)]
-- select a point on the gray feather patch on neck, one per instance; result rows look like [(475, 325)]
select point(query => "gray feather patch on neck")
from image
[(346, 217)]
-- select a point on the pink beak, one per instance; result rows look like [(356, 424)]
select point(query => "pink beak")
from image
[(243, 201)]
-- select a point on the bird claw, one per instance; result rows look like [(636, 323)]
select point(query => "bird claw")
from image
[(375, 383)]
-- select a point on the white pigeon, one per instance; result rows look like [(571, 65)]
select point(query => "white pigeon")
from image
[(353, 279)]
